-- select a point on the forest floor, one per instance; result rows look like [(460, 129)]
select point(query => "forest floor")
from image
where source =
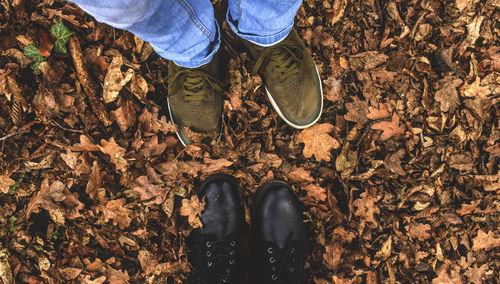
[(400, 177)]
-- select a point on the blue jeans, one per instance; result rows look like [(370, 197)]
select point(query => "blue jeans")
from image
[(186, 32)]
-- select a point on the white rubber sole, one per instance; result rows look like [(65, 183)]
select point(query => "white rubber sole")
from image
[(278, 110)]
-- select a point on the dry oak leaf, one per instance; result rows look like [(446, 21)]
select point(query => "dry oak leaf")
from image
[(147, 190), (389, 128), (115, 79), (380, 113), (315, 192), (485, 241), (475, 89), (367, 209), (125, 116), (299, 174), (95, 181), (48, 197), (151, 148), (393, 162), (114, 210), (70, 158), (475, 274), (115, 152), (447, 94), (139, 87), (318, 142), (356, 111), (70, 273), (419, 231), (333, 254), (5, 183), (192, 209)]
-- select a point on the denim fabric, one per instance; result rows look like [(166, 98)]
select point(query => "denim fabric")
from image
[(186, 32)]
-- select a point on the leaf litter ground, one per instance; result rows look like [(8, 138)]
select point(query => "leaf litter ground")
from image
[(400, 177)]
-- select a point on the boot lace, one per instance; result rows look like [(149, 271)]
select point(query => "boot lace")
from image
[(195, 83), (220, 258), (282, 57), (281, 262)]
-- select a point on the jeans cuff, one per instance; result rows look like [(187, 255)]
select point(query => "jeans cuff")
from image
[(264, 41)]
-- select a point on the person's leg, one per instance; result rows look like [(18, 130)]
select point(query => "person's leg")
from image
[(292, 82), (184, 32), (262, 22)]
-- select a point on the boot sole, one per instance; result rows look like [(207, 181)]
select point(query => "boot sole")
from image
[(278, 110)]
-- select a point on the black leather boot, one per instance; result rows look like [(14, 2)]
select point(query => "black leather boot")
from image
[(280, 235), (216, 247)]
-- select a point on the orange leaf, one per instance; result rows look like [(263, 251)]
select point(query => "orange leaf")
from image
[(485, 241), (5, 183), (380, 113), (315, 192), (192, 209), (389, 128), (46, 43), (318, 142)]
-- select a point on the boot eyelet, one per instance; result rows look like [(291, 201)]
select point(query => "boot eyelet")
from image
[(208, 244), (231, 252), (209, 254), (231, 262), (233, 243), (225, 280), (292, 269), (228, 271), (209, 264), (274, 277), (270, 250), (292, 250), (272, 260)]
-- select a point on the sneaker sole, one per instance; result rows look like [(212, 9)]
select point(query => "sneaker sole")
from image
[(278, 110), (185, 143)]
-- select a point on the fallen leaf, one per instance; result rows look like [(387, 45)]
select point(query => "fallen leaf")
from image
[(125, 116), (485, 241), (299, 174), (356, 111), (147, 190), (48, 197), (115, 152), (151, 148), (5, 183), (95, 181), (115, 211), (367, 209), (418, 231), (467, 209), (386, 249), (346, 159), (115, 79), (367, 60), (447, 94), (318, 142), (192, 208), (389, 128), (70, 273), (475, 274), (473, 29), (475, 89), (380, 113), (139, 87), (393, 162), (315, 192), (333, 255)]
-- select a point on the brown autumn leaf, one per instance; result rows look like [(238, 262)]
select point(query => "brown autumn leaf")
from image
[(393, 162), (125, 116), (95, 181), (318, 142), (333, 254), (213, 165), (389, 128), (46, 43), (315, 192), (70, 273), (366, 208), (356, 111), (5, 183), (115, 152), (70, 158), (448, 273), (148, 190), (485, 241), (139, 87), (475, 89), (299, 174), (418, 231), (447, 94), (380, 113), (467, 209), (367, 60), (48, 197), (151, 148), (475, 274), (115, 79), (115, 211), (192, 208), (149, 122)]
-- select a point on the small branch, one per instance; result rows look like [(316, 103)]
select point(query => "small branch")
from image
[(13, 134)]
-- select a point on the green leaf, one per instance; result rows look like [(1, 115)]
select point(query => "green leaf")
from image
[(60, 46), (31, 51), (62, 34)]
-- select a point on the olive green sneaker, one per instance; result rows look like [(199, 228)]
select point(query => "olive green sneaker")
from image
[(291, 80), (195, 101)]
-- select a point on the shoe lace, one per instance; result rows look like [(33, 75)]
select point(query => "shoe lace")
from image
[(283, 57), (281, 262), (195, 83), (220, 257)]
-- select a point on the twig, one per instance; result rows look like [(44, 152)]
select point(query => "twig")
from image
[(13, 134), (89, 87)]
